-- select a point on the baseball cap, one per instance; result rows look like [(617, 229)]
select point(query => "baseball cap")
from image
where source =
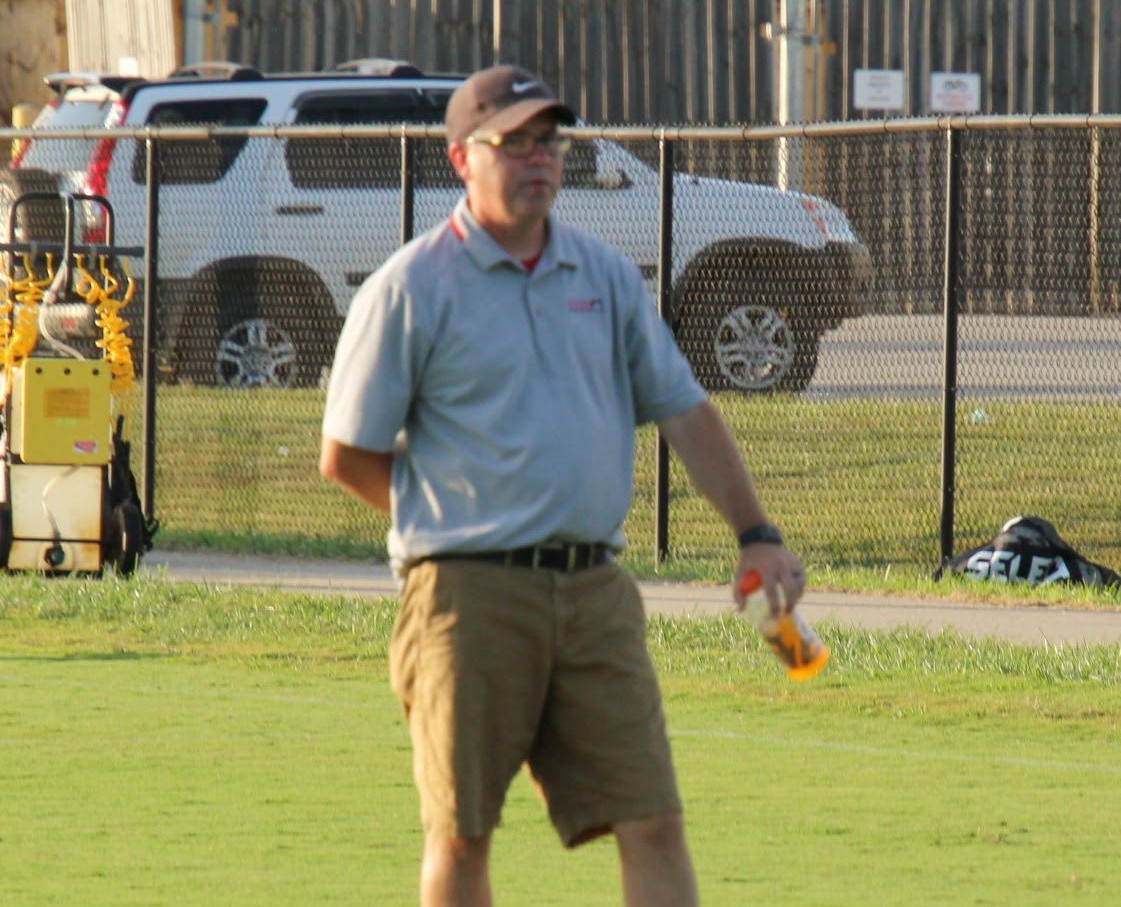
[(498, 100)]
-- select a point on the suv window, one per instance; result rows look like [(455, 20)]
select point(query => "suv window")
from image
[(367, 163), (206, 160)]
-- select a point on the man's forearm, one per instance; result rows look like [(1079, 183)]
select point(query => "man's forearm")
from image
[(701, 439), (363, 474)]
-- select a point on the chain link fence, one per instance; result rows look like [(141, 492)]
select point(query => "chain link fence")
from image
[(804, 272)]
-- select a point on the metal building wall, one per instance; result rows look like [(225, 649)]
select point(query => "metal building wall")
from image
[(1033, 56), (624, 61), (122, 35), (705, 61)]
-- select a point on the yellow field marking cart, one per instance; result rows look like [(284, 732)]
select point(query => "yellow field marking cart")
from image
[(68, 499)]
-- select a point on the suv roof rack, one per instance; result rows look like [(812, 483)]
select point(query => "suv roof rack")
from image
[(381, 66), (62, 81), (217, 69)]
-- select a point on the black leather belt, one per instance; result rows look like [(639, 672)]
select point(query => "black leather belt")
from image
[(568, 558)]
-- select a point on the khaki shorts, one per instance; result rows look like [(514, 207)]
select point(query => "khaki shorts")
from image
[(499, 666)]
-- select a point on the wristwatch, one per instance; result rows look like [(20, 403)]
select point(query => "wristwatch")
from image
[(763, 532)]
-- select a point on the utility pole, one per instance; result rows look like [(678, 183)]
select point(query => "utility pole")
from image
[(799, 47), (786, 34), (195, 19), (496, 34)]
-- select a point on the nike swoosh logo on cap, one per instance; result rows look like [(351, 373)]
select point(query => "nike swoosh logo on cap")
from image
[(520, 87)]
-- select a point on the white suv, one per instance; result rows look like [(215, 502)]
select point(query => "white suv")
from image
[(263, 242)]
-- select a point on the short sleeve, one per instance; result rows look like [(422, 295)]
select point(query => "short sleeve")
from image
[(662, 379), (374, 370)]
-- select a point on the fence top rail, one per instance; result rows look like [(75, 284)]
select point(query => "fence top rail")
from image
[(611, 133)]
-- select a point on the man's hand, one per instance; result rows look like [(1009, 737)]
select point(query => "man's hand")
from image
[(778, 568)]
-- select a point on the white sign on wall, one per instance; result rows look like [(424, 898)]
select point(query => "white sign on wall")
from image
[(955, 92), (877, 89)]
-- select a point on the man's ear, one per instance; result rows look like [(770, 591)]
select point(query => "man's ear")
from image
[(457, 155)]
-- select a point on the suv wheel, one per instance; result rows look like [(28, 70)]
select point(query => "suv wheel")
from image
[(256, 353), (756, 348), (266, 324), (744, 322)]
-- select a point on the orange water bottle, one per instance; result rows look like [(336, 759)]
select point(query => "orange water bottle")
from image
[(793, 641)]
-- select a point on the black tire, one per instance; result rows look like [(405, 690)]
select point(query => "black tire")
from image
[(188, 316), (125, 540), (745, 324), (267, 325), (807, 340), (756, 349)]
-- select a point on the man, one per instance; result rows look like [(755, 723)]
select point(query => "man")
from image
[(485, 392)]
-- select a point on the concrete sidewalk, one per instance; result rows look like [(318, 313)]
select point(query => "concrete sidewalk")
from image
[(1022, 624)]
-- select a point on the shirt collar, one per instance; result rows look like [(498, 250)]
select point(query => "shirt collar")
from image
[(488, 254)]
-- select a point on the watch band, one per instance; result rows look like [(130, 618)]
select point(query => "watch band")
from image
[(763, 532)]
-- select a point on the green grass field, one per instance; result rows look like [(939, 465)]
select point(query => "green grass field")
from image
[(177, 744), (854, 484)]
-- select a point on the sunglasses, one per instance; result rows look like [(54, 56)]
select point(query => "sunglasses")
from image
[(521, 144)]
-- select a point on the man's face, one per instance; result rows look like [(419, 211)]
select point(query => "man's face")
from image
[(514, 177)]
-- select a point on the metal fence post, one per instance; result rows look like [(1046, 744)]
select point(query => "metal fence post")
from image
[(408, 188), (151, 275), (665, 309), (951, 304)]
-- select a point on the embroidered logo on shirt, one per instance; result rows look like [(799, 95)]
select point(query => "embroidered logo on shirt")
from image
[(585, 305)]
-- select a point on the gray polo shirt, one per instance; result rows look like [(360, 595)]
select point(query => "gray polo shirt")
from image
[(509, 398)]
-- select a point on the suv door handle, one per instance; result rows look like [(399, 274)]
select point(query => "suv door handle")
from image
[(300, 210)]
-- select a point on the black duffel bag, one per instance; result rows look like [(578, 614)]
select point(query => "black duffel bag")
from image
[(1028, 550)]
